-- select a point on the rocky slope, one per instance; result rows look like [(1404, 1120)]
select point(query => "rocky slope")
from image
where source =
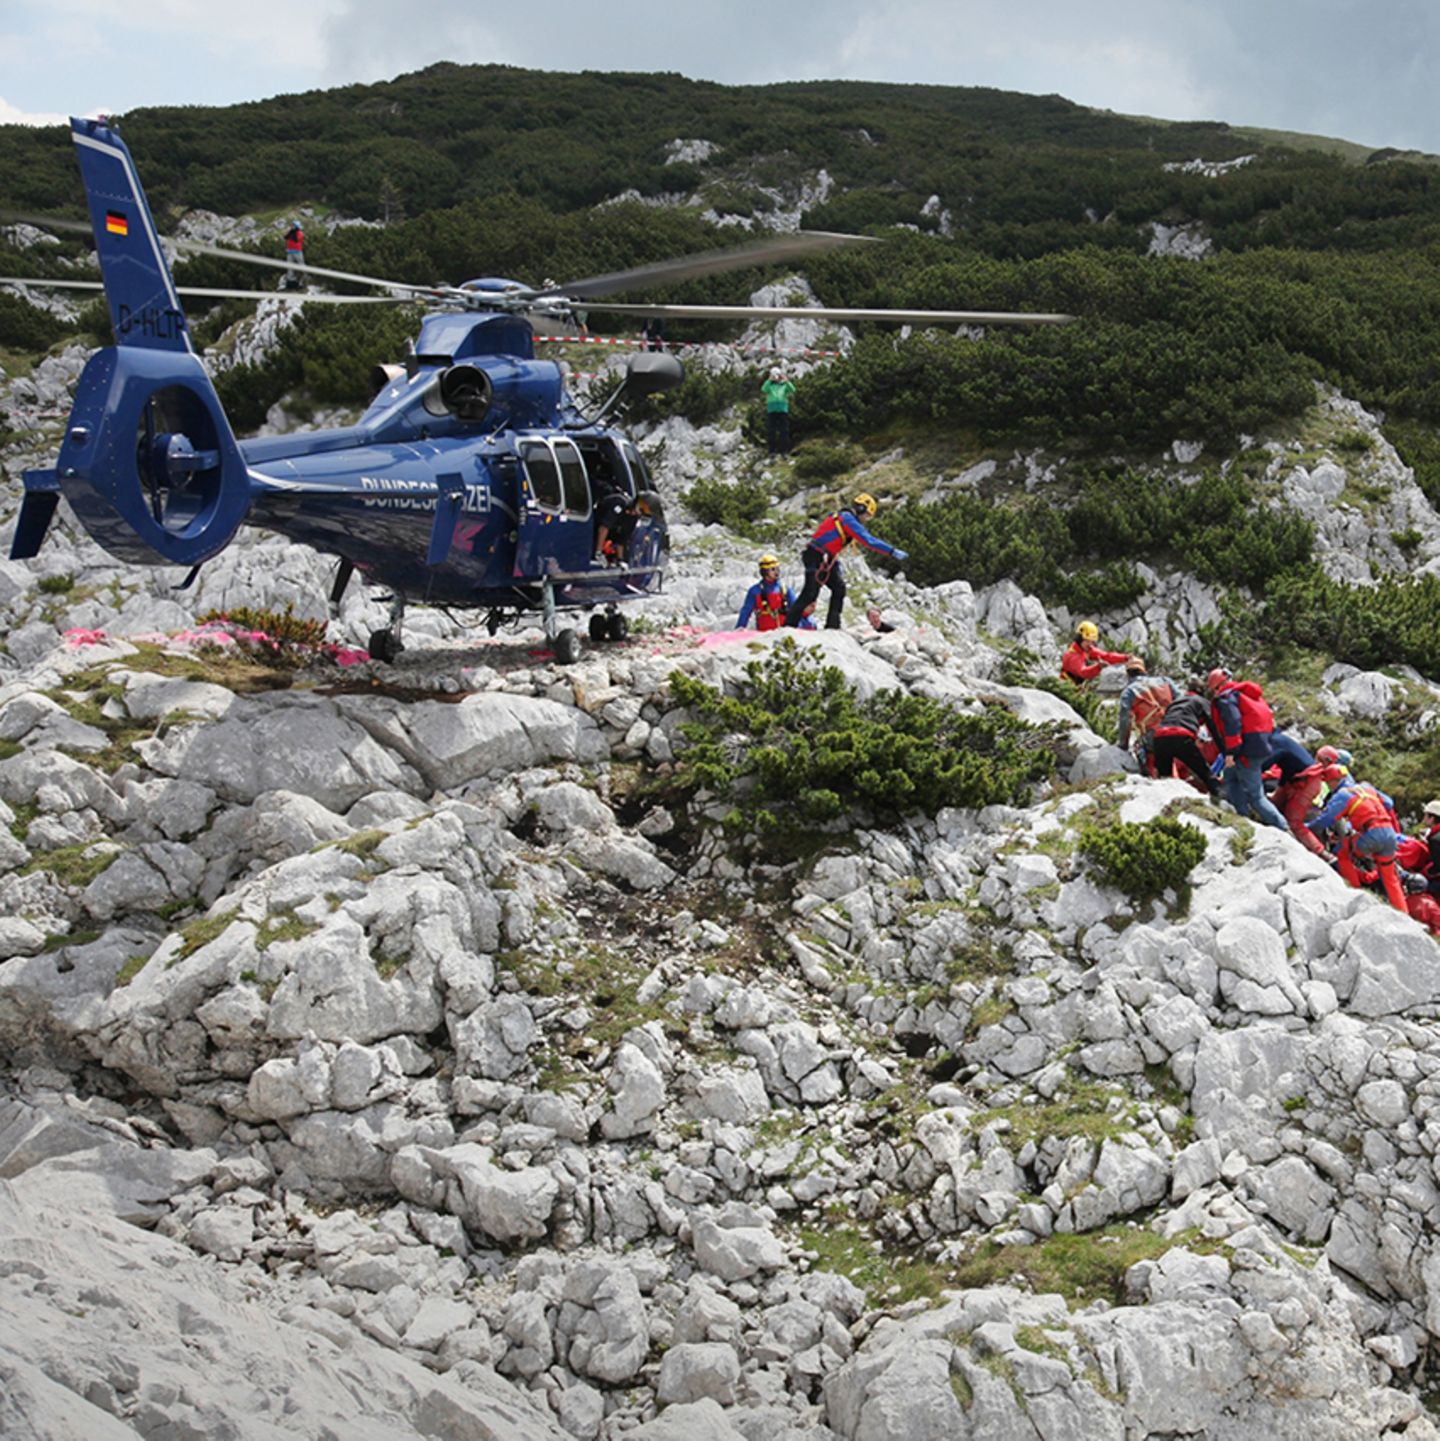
[(385, 1057)]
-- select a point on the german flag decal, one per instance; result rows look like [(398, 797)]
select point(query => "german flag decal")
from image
[(116, 223)]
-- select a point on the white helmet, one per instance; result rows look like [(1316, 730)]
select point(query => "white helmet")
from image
[(776, 373)]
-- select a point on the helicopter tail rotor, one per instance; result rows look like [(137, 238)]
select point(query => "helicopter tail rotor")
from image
[(149, 463)]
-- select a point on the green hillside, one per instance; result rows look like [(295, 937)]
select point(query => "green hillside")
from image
[(1321, 264)]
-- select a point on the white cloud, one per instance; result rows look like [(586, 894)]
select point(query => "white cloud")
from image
[(13, 115)]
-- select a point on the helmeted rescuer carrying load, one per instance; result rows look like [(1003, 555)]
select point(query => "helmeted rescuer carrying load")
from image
[(1083, 659), (821, 557), (1144, 700)]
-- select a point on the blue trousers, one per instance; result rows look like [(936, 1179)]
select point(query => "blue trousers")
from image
[(1245, 790)]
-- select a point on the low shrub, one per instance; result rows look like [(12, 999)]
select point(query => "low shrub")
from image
[(736, 504), (1143, 859), (800, 746)]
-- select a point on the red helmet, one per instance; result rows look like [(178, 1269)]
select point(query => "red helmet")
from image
[(1334, 775), (1327, 756), (1217, 677)]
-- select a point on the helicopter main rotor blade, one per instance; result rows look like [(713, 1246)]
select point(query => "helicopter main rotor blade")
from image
[(830, 312), (768, 251), (202, 247), (292, 297)]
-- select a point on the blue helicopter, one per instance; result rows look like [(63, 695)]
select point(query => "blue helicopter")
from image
[(473, 480)]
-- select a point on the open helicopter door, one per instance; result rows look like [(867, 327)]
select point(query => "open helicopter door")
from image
[(149, 462), (555, 530)]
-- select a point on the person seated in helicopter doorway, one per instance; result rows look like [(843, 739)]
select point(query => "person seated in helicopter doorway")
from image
[(777, 391), (615, 518)]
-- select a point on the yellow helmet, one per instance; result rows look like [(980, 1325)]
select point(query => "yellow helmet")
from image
[(769, 562), (866, 502), (1087, 630)]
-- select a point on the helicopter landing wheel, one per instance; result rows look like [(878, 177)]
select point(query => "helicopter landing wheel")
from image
[(567, 647), (599, 628), (384, 646), (616, 626)]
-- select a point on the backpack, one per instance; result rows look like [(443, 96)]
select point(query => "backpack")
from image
[(1149, 705)]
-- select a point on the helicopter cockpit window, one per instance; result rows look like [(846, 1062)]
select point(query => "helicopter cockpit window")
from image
[(573, 479), (542, 473)]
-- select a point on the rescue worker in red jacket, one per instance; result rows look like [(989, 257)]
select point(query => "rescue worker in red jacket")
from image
[(1360, 819), (821, 558), (1083, 659), (768, 601), (1420, 854), (1298, 795), (1421, 905), (1242, 724)]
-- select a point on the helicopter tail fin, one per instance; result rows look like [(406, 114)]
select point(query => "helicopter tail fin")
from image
[(149, 463)]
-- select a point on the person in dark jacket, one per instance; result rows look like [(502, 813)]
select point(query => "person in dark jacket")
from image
[(1288, 756), (1242, 725), (1177, 738)]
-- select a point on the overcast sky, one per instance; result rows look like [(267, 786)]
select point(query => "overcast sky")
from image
[(1361, 70)]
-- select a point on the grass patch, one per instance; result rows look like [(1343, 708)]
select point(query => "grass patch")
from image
[(1081, 1268), (130, 969), (886, 1278), (198, 933), (1081, 1108), (286, 926), (75, 865)]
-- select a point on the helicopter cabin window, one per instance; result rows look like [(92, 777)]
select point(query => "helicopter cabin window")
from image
[(573, 480), (639, 476), (608, 472), (542, 473)]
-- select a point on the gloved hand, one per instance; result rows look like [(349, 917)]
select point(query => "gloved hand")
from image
[(901, 554), (1341, 827)]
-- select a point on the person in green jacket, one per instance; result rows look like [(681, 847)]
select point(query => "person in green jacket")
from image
[(777, 392)]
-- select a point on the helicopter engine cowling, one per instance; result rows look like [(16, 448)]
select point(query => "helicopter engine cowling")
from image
[(149, 463)]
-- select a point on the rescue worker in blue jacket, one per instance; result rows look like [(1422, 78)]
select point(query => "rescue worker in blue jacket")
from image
[(821, 558), (769, 601), (1242, 725)]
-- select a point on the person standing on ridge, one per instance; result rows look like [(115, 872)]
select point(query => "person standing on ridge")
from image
[(294, 256), (1083, 659), (821, 558), (1242, 724), (777, 391)]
